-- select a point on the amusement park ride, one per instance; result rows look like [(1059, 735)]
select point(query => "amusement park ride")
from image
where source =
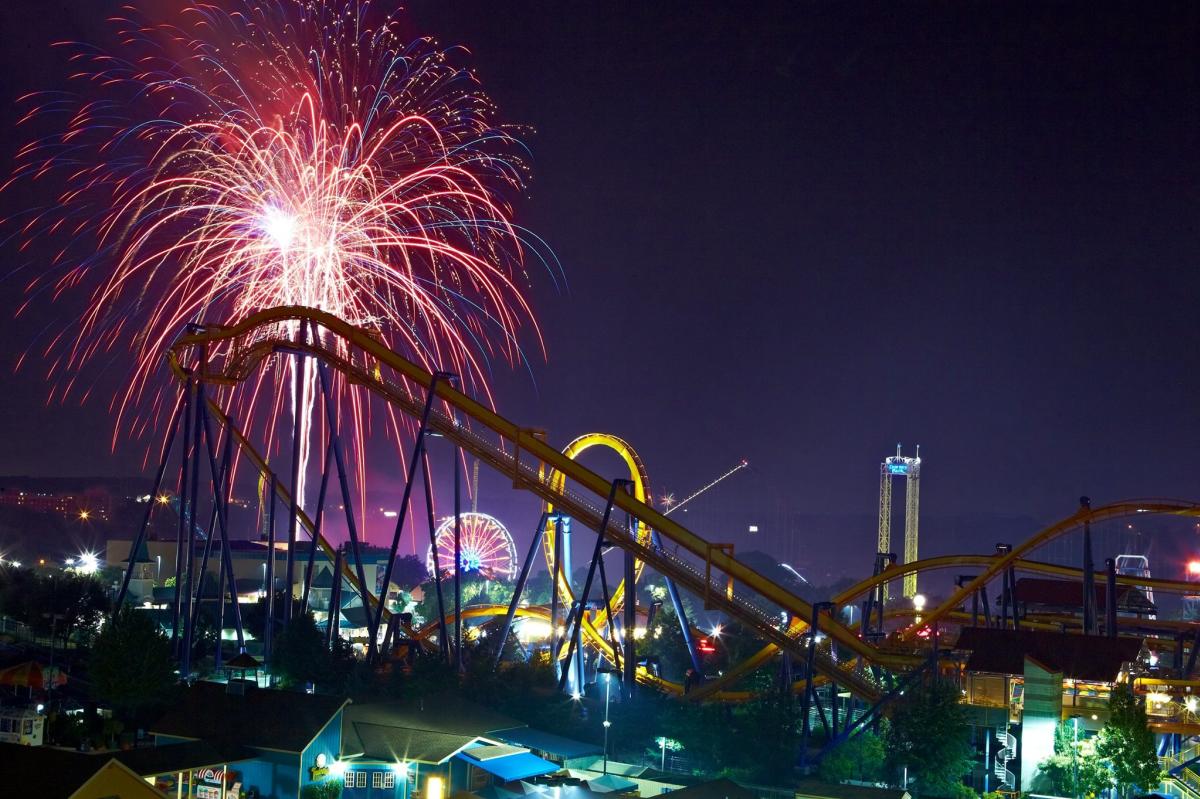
[(869, 662)]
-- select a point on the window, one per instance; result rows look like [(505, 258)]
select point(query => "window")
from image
[(29, 727), (389, 779), (348, 780), (361, 779), (5, 725), (376, 779)]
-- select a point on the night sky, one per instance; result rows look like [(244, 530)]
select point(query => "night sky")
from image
[(799, 233)]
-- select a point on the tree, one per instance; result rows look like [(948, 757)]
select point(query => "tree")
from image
[(130, 665), (1075, 769), (409, 571), (1127, 742), (929, 735), (299, 655), (860, 758)]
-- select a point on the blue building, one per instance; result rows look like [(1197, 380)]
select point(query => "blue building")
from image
[(282, 742)]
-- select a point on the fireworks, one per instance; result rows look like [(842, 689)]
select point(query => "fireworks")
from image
[(245, 155)]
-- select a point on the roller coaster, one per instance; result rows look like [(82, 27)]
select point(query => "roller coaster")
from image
[(870, 659)]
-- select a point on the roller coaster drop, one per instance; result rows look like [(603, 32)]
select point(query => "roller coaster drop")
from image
[(856, 658)]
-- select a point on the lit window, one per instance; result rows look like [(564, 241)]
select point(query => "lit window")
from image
[(362, 779), (376, 779), (348, 780), (389, 780)]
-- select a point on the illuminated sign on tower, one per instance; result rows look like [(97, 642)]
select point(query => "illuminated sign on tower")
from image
[(909, 468)]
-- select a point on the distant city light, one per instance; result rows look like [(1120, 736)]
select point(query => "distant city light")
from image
[(1193, 567), (918, 602), (164, 499), (754, 528), (84, 515), (391, 514)]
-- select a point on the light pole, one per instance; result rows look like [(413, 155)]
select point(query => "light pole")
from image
[(607, 723)]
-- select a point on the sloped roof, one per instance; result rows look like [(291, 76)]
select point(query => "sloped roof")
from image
[(148, 761), (816, 789), (264, 718), (1081, 657), (383, 742), (434, 713), (1069, 594), (59, 773)]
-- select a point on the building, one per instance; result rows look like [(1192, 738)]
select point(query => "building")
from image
[(1021, 684), (245, 740), (1040, 595), (63, 774)]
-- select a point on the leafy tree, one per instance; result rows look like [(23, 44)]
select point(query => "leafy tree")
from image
[(298, 654), (130, 665), (929, 735), (1072, 758), (409, 571), (1127, 742), (860, 758)]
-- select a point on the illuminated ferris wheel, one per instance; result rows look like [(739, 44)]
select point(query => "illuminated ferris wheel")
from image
[(487, 547)]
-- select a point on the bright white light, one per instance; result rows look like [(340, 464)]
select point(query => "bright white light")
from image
[(576, 695), (16, 564), (279, 225), (754, 528), (391, 514), (919, 602), (1192, 704), (87, 563), (607, 723), (716, 631), (337, 768), (435, 788)]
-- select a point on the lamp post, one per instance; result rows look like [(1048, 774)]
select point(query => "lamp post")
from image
[(607, 723)]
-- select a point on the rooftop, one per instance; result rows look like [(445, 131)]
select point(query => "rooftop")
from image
[(267, 719), (1093, 658)]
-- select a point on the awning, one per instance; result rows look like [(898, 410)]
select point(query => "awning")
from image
[(520, 765)]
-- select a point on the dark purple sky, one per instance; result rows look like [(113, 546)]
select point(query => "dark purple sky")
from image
[(799, 233)]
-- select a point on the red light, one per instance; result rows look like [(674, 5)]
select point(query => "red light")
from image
[(705, 646)]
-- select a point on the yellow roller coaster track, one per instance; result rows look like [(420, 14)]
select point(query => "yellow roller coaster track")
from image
[(231, 353)]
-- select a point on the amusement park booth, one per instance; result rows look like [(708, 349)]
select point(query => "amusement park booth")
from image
[(274, 739), (1021, 684), (431, 748)]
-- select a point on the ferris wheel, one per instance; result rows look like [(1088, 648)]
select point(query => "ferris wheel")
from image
[(486, 546)]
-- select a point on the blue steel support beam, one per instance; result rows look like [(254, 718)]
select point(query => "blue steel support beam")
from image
[(316, 531), (521, 578), (587, 584), (158, 478)]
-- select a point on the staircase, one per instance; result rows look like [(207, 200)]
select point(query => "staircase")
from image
[(1006, 754)]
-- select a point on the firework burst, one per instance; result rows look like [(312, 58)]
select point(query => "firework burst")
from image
[(257, 153)]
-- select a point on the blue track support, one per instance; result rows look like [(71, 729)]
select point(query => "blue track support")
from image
[(576, 634), (176, 605), (294, 507), (316, 531), (347, 503), (458, 625), (872, 713), (512, 606), (418, 448), (194, 501), (269, 576), (443, 637), (158, 478), (221, 498), (809, 695), (685, 625)]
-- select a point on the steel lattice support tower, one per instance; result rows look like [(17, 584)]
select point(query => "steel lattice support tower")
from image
[(910, 468)]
